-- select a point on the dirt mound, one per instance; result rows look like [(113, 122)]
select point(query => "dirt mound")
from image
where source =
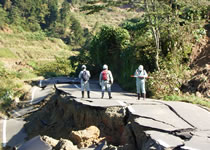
[(201, 54)]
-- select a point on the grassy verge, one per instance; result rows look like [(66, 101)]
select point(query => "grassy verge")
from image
[(189, 99)]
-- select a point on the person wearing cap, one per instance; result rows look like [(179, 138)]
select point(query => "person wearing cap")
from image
[(84, 75), (106, 81), (140, 75)]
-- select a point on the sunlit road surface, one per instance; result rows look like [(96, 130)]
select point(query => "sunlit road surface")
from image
[(168, 116), (12, 132)]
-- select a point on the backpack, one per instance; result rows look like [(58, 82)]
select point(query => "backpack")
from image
[(104, 75), (85, 76)]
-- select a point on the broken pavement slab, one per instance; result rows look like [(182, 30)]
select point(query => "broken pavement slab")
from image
[(13, 132), (168, 124), (164, 140), (101, 103), (197, 143), (156, 115), (193, 114), (170, 120), (35, 143)]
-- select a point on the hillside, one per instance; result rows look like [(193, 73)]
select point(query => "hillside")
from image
[(110, 16), (199, 82), (27, 56), (40, 46), (19, 50), (24, 57)]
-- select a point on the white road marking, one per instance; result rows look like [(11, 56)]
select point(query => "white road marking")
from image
[(18, 114), (4, 136), (32, 97), (131, 109), (40, 83)]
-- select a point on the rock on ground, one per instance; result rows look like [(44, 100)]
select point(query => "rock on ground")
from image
[(86, 137)]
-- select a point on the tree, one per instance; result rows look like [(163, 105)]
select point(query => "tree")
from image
[(161, 16), (65, 14), (108, 46), (76, 32), (53, 13)]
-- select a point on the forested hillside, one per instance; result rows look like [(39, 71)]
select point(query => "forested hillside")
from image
[(54, 38)]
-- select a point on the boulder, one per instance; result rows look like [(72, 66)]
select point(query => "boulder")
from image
[(86, 137)]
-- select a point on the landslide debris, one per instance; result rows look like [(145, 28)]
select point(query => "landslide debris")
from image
[(199, 83), (68, 121), (62, 117)]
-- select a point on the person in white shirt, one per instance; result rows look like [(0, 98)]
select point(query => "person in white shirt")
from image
[(84, 75), (140, 75), (106, 81)]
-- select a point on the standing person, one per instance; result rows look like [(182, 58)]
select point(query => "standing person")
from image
[(84, 75), (140, 75), (106, 81)]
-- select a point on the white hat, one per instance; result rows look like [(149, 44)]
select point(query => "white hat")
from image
[(105, 66), (83, 67), (141, 68)]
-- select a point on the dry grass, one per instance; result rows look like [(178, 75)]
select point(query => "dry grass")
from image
[(25, 48), (18, 52), (110, 16)]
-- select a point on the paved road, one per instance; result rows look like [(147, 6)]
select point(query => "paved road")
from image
[(11, 129), (155, 114), (163, 117), (12, 132)]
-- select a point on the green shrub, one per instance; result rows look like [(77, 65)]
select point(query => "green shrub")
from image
[(38, 36), (199, 33), (165, 82), (9, 88), (6, 96), (60, 67)]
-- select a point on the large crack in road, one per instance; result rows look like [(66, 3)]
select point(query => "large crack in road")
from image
[(123, 122)]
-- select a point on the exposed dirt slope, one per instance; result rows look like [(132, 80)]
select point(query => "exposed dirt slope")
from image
[(200, 65)]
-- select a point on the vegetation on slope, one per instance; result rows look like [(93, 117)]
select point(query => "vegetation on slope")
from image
[(37, 38), (162, 40), (26, 56), (39, 35)]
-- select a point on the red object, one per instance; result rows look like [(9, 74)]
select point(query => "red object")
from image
[(104, 75)]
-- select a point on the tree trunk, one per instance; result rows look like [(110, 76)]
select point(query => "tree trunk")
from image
[(155, 31), (156, 35)]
